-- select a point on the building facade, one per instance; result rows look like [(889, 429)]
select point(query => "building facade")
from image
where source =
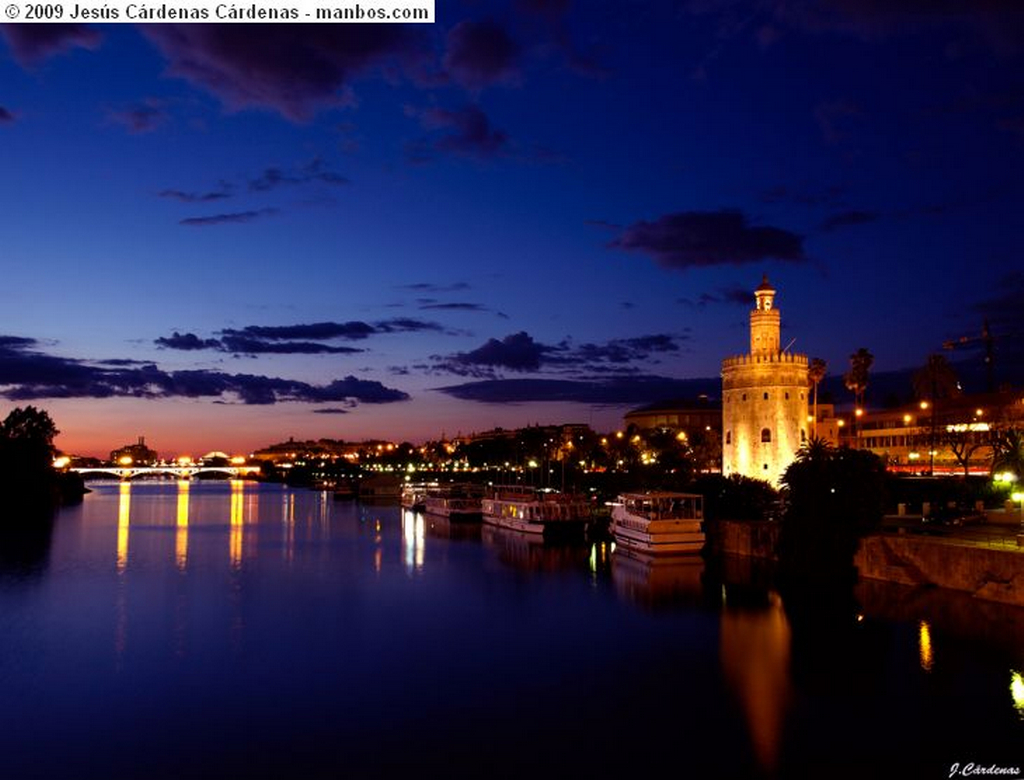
[(949, 436), (764, 398)]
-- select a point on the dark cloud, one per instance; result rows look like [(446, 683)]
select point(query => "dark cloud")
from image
[(734, 294), (32, 43), (848, 219), (616, 350), (315, 171), (455, 306), (693, 239), (520, 352), (16, 342), (6, 117), (407, 325), (141, 118), (196, 197), (630, 390), (254, 346), (517, 352), (330, 410), (27, 373), (301, 339), (435, 288), (186, 341), (229, 218), (317, 330), (466, 131), (480, 54), (293, 69)]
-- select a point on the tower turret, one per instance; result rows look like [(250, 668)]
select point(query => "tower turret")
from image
[(765, 322)]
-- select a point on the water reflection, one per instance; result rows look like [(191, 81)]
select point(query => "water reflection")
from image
[(413, 535), (529, 552), (1017, 692), (924, 643), (755, 655), (288, 521), (237, 522), (181, 526), (124, 511), (658, 581)]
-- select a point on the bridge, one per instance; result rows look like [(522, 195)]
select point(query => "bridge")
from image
[(181, 472)]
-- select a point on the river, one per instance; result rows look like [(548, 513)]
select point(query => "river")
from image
[(216, 629)]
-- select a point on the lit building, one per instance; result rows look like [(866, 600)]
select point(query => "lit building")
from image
[(687, 416), (764, 398), (138, 454), (953, 436)]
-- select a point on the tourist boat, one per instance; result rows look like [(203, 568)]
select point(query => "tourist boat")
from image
[(414, 495), (659, 522), (456, 502), (536, 511)]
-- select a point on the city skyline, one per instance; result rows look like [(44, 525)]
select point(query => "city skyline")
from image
[(219, 237)]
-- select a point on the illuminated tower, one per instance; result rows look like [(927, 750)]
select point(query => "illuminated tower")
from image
[(764, 398)]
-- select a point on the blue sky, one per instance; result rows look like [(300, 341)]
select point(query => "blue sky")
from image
[(578, 194)]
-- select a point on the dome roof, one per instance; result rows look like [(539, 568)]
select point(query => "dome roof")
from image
[(764, 286)]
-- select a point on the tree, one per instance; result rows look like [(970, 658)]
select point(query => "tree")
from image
[(1008, 451), (935, 380), (833, 498), (26, 458), (816, 371), (856, 379)]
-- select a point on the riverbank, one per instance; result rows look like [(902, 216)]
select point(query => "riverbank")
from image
[(984, 562)]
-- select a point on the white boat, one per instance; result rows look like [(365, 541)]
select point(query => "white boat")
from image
[(534, 511), (414, 495), (659, 522), (456, 502)]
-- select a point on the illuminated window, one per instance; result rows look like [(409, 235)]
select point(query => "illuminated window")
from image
[(766, 435)]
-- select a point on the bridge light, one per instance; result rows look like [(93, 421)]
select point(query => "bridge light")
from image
[(184, 460), (125, 460), (61, 462), (238, 460)]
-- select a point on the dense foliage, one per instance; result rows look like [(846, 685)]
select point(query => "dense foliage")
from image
[(833, 498), (27, 477)]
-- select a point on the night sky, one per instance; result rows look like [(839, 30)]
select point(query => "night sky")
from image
[(543, 211)]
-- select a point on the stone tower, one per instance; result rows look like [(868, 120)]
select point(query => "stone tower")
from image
[(764, 398)]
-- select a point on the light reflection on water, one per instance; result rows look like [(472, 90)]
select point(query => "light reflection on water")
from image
[(291, 625)]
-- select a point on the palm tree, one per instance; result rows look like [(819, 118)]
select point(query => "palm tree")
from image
[(815, 373), (1008, 451), (856, 378), (935, 380)]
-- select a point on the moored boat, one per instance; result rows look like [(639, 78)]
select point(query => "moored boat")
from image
[(535, 511), (414, 495), (456, 502), (659, 522)]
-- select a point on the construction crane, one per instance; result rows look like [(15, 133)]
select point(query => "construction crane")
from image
[(987, 340)]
